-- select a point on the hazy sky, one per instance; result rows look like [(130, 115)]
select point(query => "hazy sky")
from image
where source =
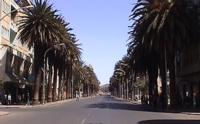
[(101, 27)]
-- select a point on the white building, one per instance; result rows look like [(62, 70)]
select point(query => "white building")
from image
[(15, 58)]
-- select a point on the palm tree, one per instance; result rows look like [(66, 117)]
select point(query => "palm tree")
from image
[(63, 66), (78, 76), (90, 82), (39, 29), (153, 20)]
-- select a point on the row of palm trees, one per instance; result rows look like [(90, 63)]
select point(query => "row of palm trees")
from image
[(161, 30), (56, 55)]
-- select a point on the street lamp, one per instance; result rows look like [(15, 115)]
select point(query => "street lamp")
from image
[(44, 69), (24, 7)]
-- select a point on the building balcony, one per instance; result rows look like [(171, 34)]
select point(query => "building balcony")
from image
[(18, 67)]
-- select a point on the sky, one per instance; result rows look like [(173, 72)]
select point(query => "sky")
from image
[(102, 29)]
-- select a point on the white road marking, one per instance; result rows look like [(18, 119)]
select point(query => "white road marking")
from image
[(83, 121)]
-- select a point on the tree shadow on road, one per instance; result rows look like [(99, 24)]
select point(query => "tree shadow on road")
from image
[(170, 122), (119, 106), (116, 105)]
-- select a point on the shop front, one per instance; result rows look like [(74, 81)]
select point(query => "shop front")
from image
[(18, 89)]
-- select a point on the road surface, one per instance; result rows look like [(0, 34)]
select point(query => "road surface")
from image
[(96, 110)]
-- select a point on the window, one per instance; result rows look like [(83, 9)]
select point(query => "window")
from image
[(5, 33), (9, 61), (6, 7), (17, 64), (12, 35)]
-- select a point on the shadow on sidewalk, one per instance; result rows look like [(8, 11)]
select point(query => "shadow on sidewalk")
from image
[(170, 122)]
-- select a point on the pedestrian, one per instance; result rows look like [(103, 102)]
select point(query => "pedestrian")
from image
[(5, 100), (77, 96), (28, 102), (9, 99)]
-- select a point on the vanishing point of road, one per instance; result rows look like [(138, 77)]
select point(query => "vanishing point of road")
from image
[(95, 110)]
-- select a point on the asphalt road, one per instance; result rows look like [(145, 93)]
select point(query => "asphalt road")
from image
[(97, 110)]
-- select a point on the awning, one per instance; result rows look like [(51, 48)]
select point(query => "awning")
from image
[(16, 49)]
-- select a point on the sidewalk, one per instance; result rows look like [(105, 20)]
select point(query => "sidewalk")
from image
[(184, 112), (3, 113), (39, 105), (131, 101)]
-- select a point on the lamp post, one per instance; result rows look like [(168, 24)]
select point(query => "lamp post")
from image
[(44, 70), (24, 7)]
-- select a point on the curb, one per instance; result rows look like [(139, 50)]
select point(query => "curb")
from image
[(51, 103), (54, 103), (190, 113)]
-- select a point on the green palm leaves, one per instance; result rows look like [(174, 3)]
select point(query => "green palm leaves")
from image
[(55, 48), (160, 29)]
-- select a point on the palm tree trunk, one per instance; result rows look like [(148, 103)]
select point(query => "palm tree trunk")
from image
[(172, 85), (153, 89), (72, 87), (124, 87), (69, 88), (163, 69), (43, 96), (122, 90), (66, 83), (63, 86), (38, 73), (88, 90), (150, 90), (66, 89), (70, 82), (55, 84), (118, 90), (60, 87), (37, 88), (49, 97), (127, 89)]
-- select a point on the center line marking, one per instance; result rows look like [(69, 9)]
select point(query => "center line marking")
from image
[(88, 115), (83, 121)]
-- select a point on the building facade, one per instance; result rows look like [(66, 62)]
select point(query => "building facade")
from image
[(15, 58)]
